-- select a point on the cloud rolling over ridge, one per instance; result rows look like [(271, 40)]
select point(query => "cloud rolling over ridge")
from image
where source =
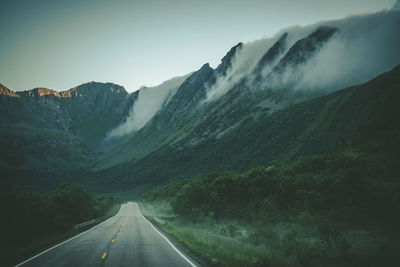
[(148, 103), (363, 47)]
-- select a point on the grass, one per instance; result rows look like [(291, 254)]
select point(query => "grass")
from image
[(332, 209), (293, 242), (215, 248), (204, 239)]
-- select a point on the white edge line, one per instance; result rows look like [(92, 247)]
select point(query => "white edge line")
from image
[(166, 239), (41, 253)]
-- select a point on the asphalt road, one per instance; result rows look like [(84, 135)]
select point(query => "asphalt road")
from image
[(127, 239)]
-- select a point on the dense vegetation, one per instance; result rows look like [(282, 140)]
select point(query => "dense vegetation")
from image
[(333, 209), (32, 220)]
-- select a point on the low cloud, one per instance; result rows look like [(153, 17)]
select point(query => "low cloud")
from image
[(364, 47), (149, 102), (243, 63)]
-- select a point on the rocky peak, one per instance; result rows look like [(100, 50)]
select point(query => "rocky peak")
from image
[(90, 89), (272, 53), (204, 68), (4, 91), (38, 92), (226, 61), (95, 88), (196, 80), (305, 48), (99, 96), (188, 95)]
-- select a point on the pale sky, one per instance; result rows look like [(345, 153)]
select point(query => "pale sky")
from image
[(60, 44)]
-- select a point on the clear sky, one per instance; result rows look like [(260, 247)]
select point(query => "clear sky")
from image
[(60, 44)]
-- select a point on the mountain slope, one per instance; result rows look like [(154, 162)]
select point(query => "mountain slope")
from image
[(303, 48), (264, 77), (191, 105), (47, 136), (207, 124), (4, 91), (303, 129), (244, 113)]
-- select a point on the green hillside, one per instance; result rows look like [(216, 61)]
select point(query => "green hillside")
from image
[(332, 209), (306, 128)]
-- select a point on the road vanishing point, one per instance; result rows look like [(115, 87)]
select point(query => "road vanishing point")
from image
[(127, 239)]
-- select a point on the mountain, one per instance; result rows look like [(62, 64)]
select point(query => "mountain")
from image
[(181, 113), (303, 48), (37, 92), (226, 61), (4, 91), (88, 110), (262, 78), (272, 54), (275, 98), (148, 101), (46, 133), (173, 114), (306, 128)]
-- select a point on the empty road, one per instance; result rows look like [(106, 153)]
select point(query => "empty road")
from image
[(127, 239)]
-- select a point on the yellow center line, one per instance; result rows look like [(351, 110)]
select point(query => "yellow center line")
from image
[(113, 240), (104, 255)]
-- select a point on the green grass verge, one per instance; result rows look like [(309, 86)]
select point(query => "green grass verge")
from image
[(205, 241), (291, 242)]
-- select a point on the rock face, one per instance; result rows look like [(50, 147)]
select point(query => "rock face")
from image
[(226, 61), (4, 91), (105, 96), (43, 129), (272, 54), (38, 92), (304, 48), (194, 89), (190, 93)]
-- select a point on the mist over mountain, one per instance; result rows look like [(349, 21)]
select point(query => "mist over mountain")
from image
[(207, 120), (284, 153), (355, 50), (361, 48), (149, 100)]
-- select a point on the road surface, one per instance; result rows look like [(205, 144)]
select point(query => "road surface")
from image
[(127, 239)]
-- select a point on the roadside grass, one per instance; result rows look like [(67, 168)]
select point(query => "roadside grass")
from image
[(30, 249), (339, 208), (216, 249), (205, 239), (294, 241)]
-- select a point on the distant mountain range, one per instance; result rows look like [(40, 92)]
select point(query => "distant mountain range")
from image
[(275, 98)]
